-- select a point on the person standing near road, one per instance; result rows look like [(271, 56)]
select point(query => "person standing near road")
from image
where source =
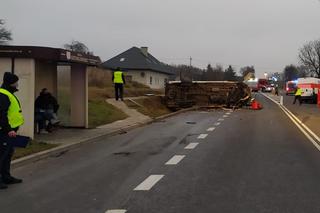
[(118, 80), (11, 119), (297, 95), (276, 90)]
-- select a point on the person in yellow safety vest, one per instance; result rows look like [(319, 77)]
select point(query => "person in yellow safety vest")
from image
[(11, 119), (118, 80), (297, 95)]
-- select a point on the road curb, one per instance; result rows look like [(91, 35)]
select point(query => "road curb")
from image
[(65, 148)]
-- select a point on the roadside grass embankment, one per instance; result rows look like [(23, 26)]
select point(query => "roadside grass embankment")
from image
[(150, 106)]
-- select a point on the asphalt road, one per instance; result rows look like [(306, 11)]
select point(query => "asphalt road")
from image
[(246, 161)]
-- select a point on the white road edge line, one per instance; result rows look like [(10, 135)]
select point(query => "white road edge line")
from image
[(296, 121), (116, 211), (211, 129), (202, 136), (148, 183), (191, 146), (175, 160)]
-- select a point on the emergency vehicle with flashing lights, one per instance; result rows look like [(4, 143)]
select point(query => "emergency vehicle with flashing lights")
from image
[(310, 87), (291, 87)]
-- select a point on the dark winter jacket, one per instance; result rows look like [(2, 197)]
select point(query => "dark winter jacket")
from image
[(46, 101), (4, 106)]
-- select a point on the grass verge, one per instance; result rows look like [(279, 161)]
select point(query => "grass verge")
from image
[(32, 148), (150, 106), (100, 113)]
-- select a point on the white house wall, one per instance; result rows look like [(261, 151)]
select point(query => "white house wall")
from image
[(158, 79)]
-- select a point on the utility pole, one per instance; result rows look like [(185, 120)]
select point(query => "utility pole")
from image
[(190, 61)]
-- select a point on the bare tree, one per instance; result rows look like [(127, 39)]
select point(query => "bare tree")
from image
[(77, 46), (290, 73), (309, 56), (5, 35)]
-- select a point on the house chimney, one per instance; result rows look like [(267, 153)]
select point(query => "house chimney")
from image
[(144, 50)]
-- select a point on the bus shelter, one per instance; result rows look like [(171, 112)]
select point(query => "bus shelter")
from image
[(37, 68)]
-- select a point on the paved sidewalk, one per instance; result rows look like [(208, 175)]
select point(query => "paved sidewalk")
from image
[(309, 114), (71, 135)]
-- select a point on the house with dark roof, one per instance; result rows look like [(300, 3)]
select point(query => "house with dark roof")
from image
[(140, 66)]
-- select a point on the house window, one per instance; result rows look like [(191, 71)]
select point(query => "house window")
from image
[(122, 59), (150, 80)]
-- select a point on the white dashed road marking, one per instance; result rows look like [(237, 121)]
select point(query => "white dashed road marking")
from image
[(211, 129), (148, 183), (228, 113), (220, 119), (217, 124), (116, 211), (202, 136), (175, 159), (225, 116), (191, 146)]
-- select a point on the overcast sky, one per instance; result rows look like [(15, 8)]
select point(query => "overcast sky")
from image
[(263, 33)]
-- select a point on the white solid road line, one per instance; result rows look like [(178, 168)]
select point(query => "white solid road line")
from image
[(148, 183), (175, 160), (211, 129), (302, 130), (217, 124), (202, 136), (191, 146), (116, 211), (298, 123), (302, 124)]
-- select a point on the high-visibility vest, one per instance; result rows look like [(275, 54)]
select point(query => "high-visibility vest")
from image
[(298, 92), (117, 77), (15, 117)]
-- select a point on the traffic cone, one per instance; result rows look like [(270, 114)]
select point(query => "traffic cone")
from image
[(255, 105)]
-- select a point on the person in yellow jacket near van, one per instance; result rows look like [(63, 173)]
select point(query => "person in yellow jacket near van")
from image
[(118, 80), (11, 119), (297, 95)]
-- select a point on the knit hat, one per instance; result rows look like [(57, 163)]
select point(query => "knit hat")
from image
[(9, 78)]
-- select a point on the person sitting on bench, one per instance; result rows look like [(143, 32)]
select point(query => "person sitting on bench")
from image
[(46, 108)]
